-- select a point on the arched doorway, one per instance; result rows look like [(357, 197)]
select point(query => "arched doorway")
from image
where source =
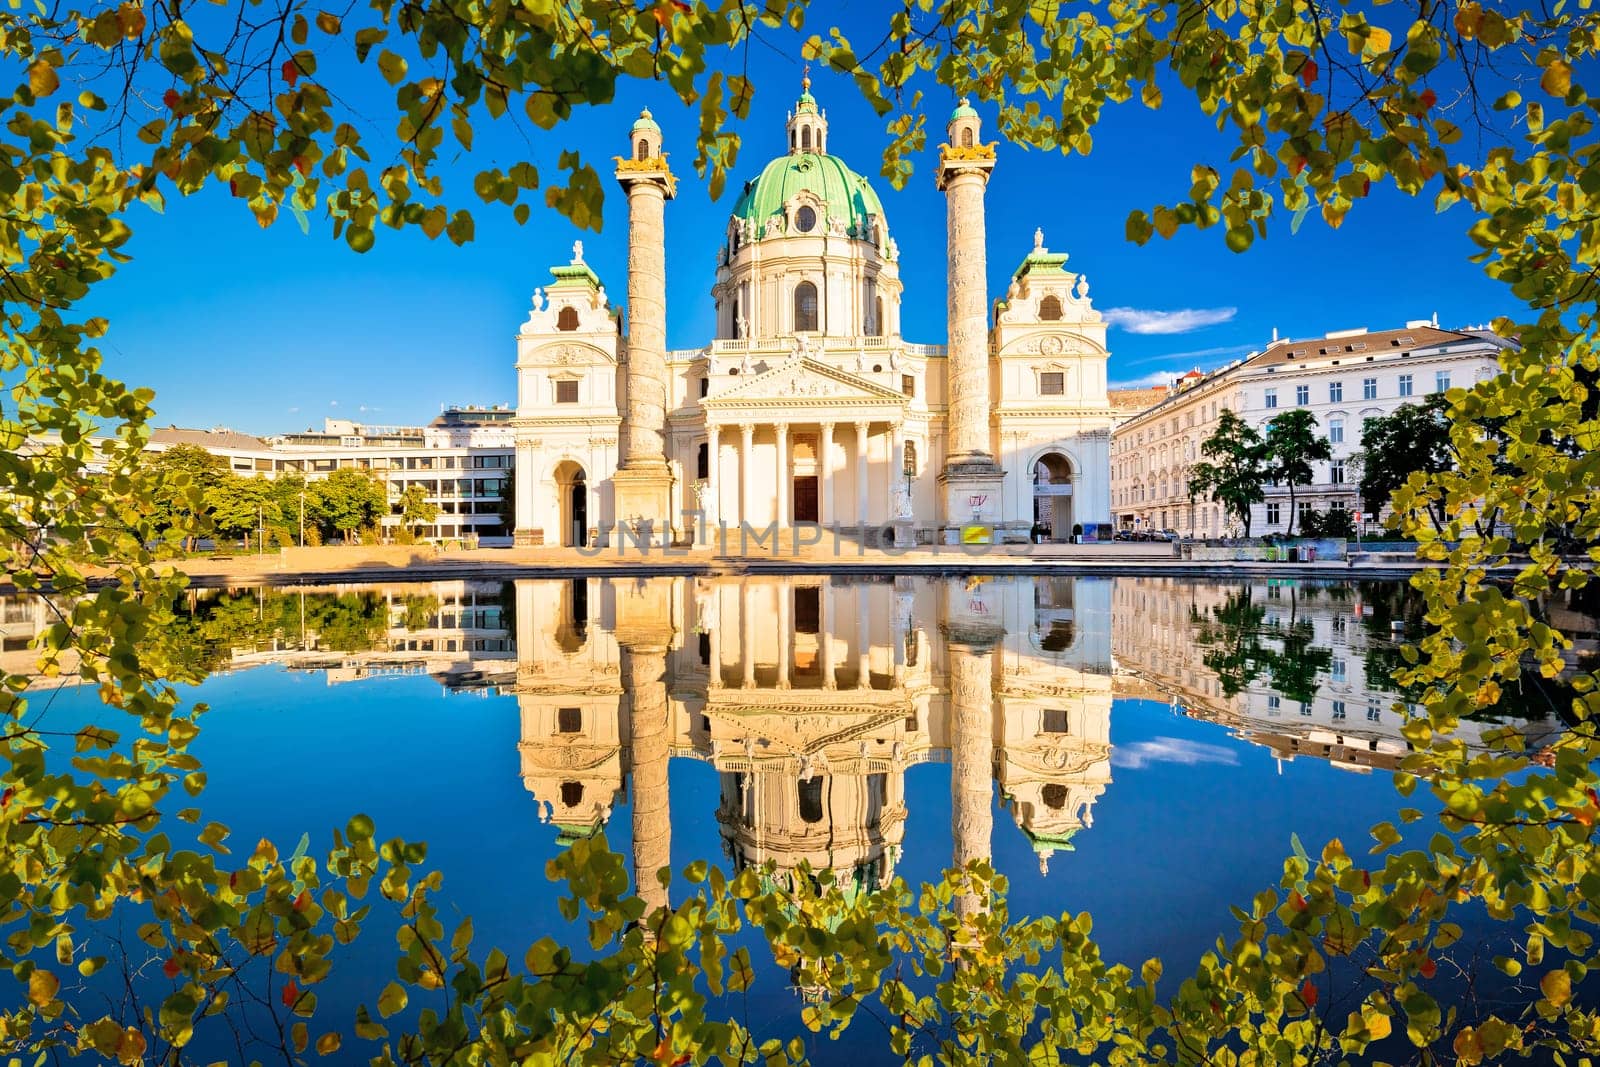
[(1052, 496), (572, 493)]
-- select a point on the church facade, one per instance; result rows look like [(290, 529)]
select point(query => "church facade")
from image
[(809, 405)]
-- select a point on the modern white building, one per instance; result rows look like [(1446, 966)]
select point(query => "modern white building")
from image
[(1343, 378), (462, 459), (809, 404)]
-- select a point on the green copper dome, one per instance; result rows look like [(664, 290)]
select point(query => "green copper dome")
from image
[(844, 193), (646, 122), (964, 110)]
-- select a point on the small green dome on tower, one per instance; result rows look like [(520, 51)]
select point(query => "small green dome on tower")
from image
[(964, 110), (645, 122)]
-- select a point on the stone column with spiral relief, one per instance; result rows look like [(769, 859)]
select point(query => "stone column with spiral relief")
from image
[(971, 480), (642, 485)]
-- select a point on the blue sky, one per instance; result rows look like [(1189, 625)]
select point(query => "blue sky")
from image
[(272, 330)]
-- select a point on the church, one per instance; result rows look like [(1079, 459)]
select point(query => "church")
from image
[(809, 405)]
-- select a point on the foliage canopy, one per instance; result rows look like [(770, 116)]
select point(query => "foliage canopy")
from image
[(1323, 102)]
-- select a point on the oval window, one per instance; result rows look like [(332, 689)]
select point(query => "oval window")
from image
[(805, 220)]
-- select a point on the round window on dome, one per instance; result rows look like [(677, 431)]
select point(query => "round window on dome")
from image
[(805, 220)]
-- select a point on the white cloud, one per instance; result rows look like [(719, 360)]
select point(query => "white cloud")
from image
[(1140, 754), (1183, 320), (1148, 381), (293, 410), (333, 403)]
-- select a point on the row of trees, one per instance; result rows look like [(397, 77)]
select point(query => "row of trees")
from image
[(194, 492), (1241, 461)]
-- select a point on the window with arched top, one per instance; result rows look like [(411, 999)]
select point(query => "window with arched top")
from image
[(966, 138), (571, 794), (642, 151), (805, 139), (1050, 309), (1054, 796), (811, 800), (567, 318), (805, 307)]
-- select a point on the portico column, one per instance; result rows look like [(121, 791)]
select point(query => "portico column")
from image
[(713, 502), (781, 515), (825, 474), (714, 640), (861, 475), (746, 470), (896, 465)]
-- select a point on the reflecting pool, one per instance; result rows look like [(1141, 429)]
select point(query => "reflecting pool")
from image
[(1141, 749)]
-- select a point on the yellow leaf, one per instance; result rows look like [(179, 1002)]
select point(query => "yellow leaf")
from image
[(1556, 987), (1379, 40), (42, 986), (328, 1043), (1557, 78), (42, 79), (1378, 1026)]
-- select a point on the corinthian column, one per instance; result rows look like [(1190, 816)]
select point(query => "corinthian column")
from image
[(971, 477), (643, 482)]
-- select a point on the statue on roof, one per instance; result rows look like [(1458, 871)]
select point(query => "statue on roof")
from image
[(1038, 239), (577, 253)]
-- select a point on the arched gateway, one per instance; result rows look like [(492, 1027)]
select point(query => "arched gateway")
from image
[(1052, 496)]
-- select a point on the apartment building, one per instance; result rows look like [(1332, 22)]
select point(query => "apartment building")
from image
[(462, 459), (1344, 378)]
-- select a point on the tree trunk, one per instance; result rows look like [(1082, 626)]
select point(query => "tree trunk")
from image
[(1290, 531)]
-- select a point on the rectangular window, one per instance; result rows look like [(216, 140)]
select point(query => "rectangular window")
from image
[(1336, 472), (1305, 709), (567, 392), (1271, 398), (1303, 509), (1273, 515), (1373, 714), (1273, 704), (1405, 385), (1338, 711), (702, 462), (1052, 383), (1302, 395), (1441, 381), (1338, 670), (569, 720), (705, 386), (1335, 392), (908, 384), (1369, 389), (1336, 431), (1055, 721)]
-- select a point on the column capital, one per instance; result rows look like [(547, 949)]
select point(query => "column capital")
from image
[(863, 427), (747, 430), (782, 429)]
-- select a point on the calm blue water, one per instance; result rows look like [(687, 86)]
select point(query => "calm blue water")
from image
[(1139, 776)]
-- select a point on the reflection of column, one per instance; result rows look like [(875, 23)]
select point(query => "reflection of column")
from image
[(863, 649), (747, 437), (861, 473), (785, 633), (825, 633), (714, 638), (967, 360), (971, 754), (644, 669), (781, 514), (825, 474), (747, 636)]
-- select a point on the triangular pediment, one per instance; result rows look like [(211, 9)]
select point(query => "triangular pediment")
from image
[(801, 379)]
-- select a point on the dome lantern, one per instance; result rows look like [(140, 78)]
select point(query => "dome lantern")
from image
[(808, 126), (644, 139)]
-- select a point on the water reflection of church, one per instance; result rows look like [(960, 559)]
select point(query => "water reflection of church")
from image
[(812, 698)]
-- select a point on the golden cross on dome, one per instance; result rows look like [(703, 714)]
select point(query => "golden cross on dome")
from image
[(805, 79)]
